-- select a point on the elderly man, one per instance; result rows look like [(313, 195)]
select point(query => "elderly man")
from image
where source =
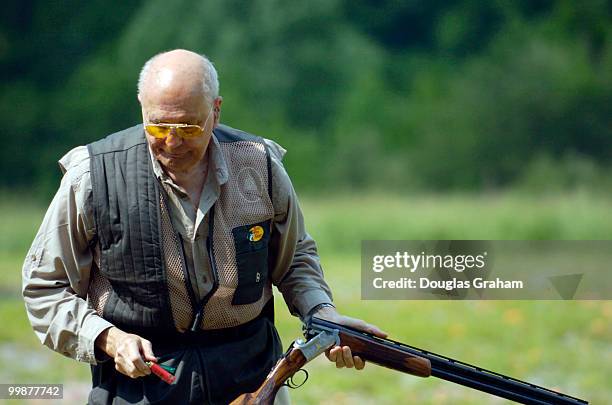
[(162, 245)]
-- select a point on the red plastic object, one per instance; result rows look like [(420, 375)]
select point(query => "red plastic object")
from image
[(161, 373)]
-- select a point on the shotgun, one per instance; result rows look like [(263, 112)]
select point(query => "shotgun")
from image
[(321, 335)]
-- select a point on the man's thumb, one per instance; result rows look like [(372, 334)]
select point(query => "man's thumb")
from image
[(147, 350)]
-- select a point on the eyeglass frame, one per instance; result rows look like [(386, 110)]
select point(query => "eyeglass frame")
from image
[(147, 123)]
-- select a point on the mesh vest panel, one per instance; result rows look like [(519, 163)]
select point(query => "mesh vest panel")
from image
[(244, 201)]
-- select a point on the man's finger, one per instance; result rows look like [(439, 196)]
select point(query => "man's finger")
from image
[(126, 367), (135, 357), (364, 326), (369, 328), (147, 351), (359, 363), (348, 357), (141, 366), (374, 330), (333, 354), (339, 359)]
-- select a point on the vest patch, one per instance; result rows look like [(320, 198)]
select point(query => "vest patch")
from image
[(256, 233), (250, 184)]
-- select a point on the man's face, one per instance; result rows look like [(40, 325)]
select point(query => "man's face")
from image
[(176, 154)]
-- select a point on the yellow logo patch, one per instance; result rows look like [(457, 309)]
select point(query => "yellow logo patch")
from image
[(256, 233)]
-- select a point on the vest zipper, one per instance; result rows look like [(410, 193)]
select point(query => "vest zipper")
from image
[(197, 320)]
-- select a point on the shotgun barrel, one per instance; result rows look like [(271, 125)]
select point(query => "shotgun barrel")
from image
[(449, 369)]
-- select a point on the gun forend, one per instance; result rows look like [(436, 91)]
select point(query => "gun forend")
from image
[(373, 349)]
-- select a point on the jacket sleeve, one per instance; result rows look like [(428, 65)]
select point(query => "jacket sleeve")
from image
[(297, 269), (57, 267)]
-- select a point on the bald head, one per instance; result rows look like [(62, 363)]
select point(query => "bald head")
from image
[(178, 76)]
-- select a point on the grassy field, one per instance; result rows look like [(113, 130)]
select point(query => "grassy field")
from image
[(558, 344)]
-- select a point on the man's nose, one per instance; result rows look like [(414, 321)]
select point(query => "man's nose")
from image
[(173, 140)]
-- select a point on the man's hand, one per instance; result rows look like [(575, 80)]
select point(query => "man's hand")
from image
[(129, 351), (342, 356)]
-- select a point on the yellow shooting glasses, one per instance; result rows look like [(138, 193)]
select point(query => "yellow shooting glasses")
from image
[(161, 130)]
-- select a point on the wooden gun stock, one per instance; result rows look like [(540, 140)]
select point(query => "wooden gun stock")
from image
[(284, 369), (319, 341)]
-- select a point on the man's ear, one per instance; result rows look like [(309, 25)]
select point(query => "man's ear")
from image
[(217, 104), (217, 109)]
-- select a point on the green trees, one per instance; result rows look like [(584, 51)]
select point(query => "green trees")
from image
[(433, 95)]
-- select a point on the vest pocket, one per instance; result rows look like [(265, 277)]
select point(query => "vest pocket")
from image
[(251, 242)]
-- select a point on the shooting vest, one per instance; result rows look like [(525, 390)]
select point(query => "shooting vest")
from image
[(142, 284), (142, 280)]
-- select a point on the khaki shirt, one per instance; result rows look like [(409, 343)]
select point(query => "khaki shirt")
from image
[(57, 268)]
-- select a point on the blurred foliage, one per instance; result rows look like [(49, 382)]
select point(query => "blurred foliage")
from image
[(431, 95)]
